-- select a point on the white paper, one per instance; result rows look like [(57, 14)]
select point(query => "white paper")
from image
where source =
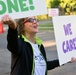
[(65, 35)]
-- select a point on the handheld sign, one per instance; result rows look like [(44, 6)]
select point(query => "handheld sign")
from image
[(65, 34), (53, 12), (22, 8)]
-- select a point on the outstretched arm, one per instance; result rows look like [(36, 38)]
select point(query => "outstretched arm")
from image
[(12, 36)]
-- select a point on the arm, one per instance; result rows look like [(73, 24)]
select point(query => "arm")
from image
[(12, 41), (12, 36), (52, 64), (55, 63)]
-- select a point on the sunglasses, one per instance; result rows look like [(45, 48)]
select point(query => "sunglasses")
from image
[(31, 20)]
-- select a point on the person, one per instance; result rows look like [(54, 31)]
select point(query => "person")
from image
[(28, 55)]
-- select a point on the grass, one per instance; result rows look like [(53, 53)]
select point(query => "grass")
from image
[(46, 29), (47, 26)]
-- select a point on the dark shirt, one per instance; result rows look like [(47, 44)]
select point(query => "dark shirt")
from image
[(22, 61)]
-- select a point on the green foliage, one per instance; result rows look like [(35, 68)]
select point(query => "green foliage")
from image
[(69, 5), (55, 3), (66, 7)]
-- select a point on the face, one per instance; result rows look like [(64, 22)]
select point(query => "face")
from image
[(31, 25)]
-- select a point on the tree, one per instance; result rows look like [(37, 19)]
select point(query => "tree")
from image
[(54, 3), (68, 5)]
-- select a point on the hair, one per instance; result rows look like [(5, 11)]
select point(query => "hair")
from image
[(20, 25)]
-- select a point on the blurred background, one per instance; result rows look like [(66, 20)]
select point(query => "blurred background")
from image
[(63, 7)]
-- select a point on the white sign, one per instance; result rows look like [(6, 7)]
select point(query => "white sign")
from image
[(22, 8), (65, 34), (53, 12)]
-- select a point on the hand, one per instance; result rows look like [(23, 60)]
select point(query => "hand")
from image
[(9, 21), (73, 59)]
